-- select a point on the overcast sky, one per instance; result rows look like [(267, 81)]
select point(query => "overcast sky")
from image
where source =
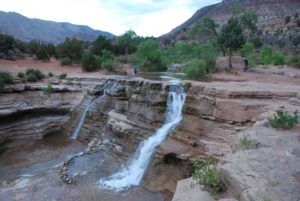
[(145, 17)]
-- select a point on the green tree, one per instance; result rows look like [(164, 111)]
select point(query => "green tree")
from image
[(266, 54), (207, 28), (247, 49), (71, 48), (231, 36), (209, 55), (90, 62), (6, 43), (100, 44), (128, 42), (41, 53), (150, 57), (196, 69), (249, 20)]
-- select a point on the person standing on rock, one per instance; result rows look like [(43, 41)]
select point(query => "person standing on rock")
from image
[(134, 70)]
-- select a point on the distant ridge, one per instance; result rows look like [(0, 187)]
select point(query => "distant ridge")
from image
[(27, 29), (272, 15)]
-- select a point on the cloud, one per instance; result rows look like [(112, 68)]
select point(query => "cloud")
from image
[(146, 17)]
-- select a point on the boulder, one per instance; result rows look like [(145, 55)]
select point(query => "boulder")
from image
[(185, 192)]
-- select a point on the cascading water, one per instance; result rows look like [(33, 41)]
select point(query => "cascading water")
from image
[(75, 133), (81, 121), (133, 172)]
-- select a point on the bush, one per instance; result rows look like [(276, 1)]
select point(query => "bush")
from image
[(6, 77), (39, 75), (42, 53), (62, 76), (48, 89), (108, 65), (89, 62), (278, 59), (209, 55), (282, 119), (196, 69), (149, 57), (71, 48), (32, 77), (294, 61), (66, 61), (251, 60), (247, 49), (206, 174), (50, 74), (266, 54), (247, 143), (21, 75)]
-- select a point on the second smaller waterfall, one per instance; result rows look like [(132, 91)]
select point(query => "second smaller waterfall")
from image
[(81, 121)]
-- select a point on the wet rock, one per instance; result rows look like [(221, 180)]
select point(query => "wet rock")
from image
[(184, 192)]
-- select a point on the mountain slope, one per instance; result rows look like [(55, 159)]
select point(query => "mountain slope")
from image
[(272, 21), (27, 29)]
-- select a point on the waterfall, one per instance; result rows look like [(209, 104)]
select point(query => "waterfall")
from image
[(81, 121), (132, 173), (75, 133)]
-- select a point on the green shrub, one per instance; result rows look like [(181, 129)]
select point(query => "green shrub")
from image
[(247, 49), (32, 77), (209, 55), (108, 65), (196, 69), (206, 174), (266, 54), (247, 143), (37, 73), (50, 74), (282, 119), (66, 61), (278, 59), (89, 62), (48, 89), (294, 61), (62, 76), (6, 77), (149, 57), (21, 75), (41, 53), (251, 60)]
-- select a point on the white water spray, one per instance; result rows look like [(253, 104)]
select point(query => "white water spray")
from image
[(133, 172)]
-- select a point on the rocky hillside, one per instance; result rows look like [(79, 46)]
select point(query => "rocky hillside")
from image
[(277, 29), (27, 29)]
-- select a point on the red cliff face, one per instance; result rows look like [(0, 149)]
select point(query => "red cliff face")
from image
[(272, 16)]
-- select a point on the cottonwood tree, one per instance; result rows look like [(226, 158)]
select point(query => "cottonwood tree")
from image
[(207, 28), (231, 36)]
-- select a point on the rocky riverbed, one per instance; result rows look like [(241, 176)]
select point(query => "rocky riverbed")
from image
[(41, 162)]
